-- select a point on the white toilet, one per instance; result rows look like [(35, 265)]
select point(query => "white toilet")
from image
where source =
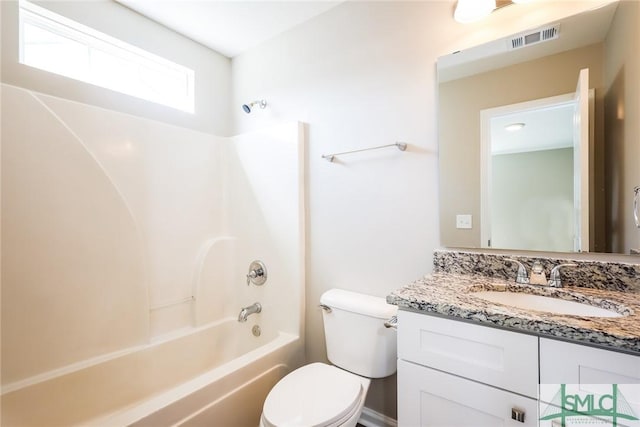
[(360, 347)]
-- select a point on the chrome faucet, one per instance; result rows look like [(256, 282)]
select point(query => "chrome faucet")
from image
[(246, 311), (554, 277), (538, 276)]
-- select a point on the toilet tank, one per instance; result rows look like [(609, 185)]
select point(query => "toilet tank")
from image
[(356, 337)]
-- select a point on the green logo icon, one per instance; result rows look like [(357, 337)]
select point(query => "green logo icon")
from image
[(583, 408)]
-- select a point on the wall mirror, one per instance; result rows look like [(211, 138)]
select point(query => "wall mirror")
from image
[(538, 145)]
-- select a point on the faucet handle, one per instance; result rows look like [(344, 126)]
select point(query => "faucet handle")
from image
[(521, 276), (538, 276), (554, 276), (257, 273), (537, 268)]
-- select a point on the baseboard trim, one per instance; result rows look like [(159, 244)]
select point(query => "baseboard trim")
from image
[(371, 418)]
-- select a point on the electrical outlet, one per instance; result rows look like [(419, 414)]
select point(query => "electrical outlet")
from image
[(463, 221)]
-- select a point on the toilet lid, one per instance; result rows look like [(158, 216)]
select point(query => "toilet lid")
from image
[(311, 396)]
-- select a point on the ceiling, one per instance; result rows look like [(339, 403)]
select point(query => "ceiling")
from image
[(230, 27), (546, 128)]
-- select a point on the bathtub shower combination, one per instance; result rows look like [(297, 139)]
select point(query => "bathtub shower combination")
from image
[(127, 245)]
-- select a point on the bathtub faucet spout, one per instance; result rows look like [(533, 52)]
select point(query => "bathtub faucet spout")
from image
[(246, 311)]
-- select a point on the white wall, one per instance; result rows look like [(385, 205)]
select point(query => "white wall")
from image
[(532, 200), (361, 75), (212, 70), (372, 217)]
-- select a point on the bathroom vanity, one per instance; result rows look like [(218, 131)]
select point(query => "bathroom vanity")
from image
[(463, 360)]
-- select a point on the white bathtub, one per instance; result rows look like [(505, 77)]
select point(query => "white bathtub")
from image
[(213, 375)]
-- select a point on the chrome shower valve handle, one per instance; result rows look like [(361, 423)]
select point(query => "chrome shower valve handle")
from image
[(257, 273)]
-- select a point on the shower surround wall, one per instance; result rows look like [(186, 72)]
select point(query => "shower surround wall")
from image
[(119, 230)]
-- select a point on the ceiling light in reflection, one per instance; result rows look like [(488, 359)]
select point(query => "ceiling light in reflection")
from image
[(473, 10), (513, 127)]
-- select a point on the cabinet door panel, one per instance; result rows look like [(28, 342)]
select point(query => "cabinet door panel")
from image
[(567, 363), (492, 356), (429, 398)]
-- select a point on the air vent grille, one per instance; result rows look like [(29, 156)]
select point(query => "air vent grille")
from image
[(533, 37), (550, 33), (517, 42)]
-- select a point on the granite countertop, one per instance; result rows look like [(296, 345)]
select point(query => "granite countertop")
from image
[(452, 295)]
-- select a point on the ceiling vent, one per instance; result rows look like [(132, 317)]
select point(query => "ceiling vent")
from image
[(532, 37)]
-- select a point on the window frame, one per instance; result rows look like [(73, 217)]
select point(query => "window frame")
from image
[(61, 26)]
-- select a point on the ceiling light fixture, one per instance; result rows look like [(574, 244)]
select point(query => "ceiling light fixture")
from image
[(473, 10), (514, 127)]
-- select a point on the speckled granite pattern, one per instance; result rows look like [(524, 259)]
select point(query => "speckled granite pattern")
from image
[(591, 274), (452, 295)]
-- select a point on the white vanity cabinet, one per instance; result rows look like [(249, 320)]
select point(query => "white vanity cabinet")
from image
[(456, 374), (430, 398), (459, 374)]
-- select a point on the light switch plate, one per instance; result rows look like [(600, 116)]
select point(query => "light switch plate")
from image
[(464, 221)]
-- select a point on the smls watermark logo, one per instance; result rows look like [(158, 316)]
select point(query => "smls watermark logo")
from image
[(588, 405)]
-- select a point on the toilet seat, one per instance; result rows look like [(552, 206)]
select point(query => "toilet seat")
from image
[(313, 396)]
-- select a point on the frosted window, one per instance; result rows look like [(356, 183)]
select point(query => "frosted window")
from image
[(59, 45)]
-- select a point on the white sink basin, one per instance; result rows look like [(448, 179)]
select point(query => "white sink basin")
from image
[(547, 304)]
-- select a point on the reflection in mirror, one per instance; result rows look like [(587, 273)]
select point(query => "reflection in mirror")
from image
[(588, 211), (522, 160)]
